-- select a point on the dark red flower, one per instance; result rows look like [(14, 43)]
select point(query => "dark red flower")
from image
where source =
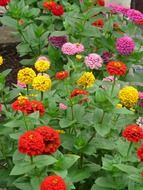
[(62, 75), (139, 22), (49, 5), (57, 10), (133, 133), (51, 139), (140, 152), (0, 107), (53, 183), (31, 143), (3, 3), (37, 106), (98, 23), (101, 3), (116, 68), (22, 105), (77, 92)]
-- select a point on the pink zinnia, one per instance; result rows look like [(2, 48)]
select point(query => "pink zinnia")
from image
[(79, 48), (42, 57), (62, 106), (21, 85), (93, 61), (115, 8), (68, 49), (125, 45), (141, 95), (109, 78), (135, 15)]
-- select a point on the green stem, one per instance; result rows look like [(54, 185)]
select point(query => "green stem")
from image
[(42, 95), (129, 149), (27, 88), (31, 159), (113, 85), (25, 122), (81, 160), (92, 136), (103, 115)]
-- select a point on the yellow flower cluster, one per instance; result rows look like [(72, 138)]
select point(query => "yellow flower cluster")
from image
[(42, 65), (128, 96), (41, 83), (26, 75), (1, 60), (86, 80)]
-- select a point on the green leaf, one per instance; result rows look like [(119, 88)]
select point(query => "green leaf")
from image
[(106, 182), (65, 123), (44, 160), (35, 183), (126, 168), (22, 168)]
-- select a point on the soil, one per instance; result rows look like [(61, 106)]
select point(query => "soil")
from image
[(11, 61)]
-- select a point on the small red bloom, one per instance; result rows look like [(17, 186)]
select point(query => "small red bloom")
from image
[(140, 152), (77, 92), (133, 133), (3, 3), (57, 10), (31, 143), (53, 183), (49, 5), (0, 107), (51, 139), (101, 3), (37, 106), (98, 23), (22, 105), (116, 68), (62, 75)]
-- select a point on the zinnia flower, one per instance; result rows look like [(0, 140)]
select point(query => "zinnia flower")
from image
[(86, 80), (31, 143), (0, 107), (21, 85), (140, 99), (37, 106), (4, 3), (116, 68), (26, 75), (133, 133), (49, 5), (128, 96), (53, 183), (109, 79), (41, 83), (62, 106), (68, 49), (77, 92), (139, 122), (101, 2), (1, 60), (106, 56), (79, 48), (57, 41), (125, 45), (51, 139), (140, 152), (115, 8), (57, 10), (93, 61), (61, 75), (98, 23), (135, 15), (42, 65)]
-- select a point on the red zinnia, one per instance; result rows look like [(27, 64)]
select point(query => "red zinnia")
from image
[(3, 3), (140, 152), (38, 106), (116, 68), (101, 2), (31, 143), (77, 92), (133, 133), (49, 5), (53, 183), (0, 107), (98, 23), (51, 139), (62, 75), (57, 10), (22, 105)]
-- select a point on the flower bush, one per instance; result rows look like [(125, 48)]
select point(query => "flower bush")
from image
[(74, 118)]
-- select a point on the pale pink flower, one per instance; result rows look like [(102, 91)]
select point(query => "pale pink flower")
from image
[(93, 61), (62, 106), (68, 49), (109, 79), (79, 48), (21, 85), (141, 95)]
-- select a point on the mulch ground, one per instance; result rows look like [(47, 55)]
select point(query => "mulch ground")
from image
[(11, 61)]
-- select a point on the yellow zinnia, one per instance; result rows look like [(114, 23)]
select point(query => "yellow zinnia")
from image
[(1, 60), (42, 83), (128, 96), (42, 65), (26, 75), (86, 80)]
